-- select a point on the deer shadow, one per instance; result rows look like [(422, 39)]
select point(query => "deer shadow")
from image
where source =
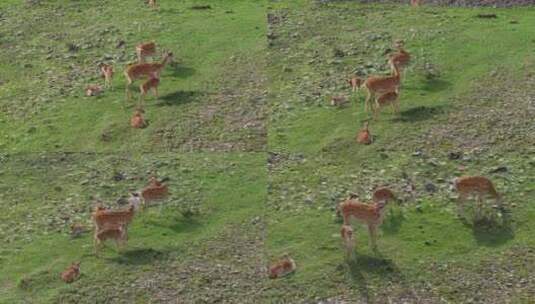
[(177, 225), (142, 256), (176, 70), (491, 231), (393, 221), (177, 98), (435, 85), (419, 113)]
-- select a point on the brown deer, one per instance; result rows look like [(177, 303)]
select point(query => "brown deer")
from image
[(104, 217), (401, 58), (93, 90), (151, 83), (137, 121), (415, 3), (478, 186), (72, 273), (338, 100), (111, 231), (144, 50), (349, 240), (355, 83), (106, 71), (388, 98), (281, 268), (364, 136), (369, 214), (155, 191), (379, 85), (139, 70), (383, 194)]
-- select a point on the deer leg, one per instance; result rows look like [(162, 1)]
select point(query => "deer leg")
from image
[(373, 236), (156, 92), (367, 101)]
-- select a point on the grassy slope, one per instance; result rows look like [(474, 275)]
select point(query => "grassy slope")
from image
[(318, 161), (227, 189), (49, 112)]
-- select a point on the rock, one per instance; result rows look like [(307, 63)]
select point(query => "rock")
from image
[(500, 169), (430, 187), (455, 155)]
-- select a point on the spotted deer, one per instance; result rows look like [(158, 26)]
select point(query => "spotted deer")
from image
[(111, 231), (137, 121), (144, 50), (478, 186), (379, 85), (72, 273), (364, 136), (386, 99), (355, 83), (151, 83), (401, 58), (370, 214), (106, 71), (282, 268), (140, 70), (348, 239)]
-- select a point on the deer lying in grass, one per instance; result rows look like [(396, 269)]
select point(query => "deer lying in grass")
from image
[(369, 214), (144, 50), (386, 99), (106, 71), (151, 83), (137, 121), (478, 186), (117, 232), (72, 273), (355, 83), (349, 240), (281, 268), (364, 136), (93, 90), (379, 85), (139, 70)]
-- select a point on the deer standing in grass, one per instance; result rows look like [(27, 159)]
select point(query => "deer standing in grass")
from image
[(478, 186), (144, 50), (112, 231), (106, 71), (388, 98), (401, 58), (348, 237), (144, 88), (139, 70), (379, 85), (355, 83), (369, 214)]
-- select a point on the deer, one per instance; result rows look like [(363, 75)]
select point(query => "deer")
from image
[(388, 98), (282, 268), (93, 90), (106, 71), (401, 58), (379, 85), (152, 3), (348, 239), (155, 191), (338, 100), (383, 194), (147, 49), (102, 217), (117, 232), (137, 121), (151, 83), (364, 136), (415, 3), (370, 214), (355, 83), (72, 273), (478, 186), (139, 70)]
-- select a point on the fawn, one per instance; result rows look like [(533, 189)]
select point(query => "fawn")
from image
[(155, 191), (383, 194), (71, 273), (102, 217), (370, 214), (151, 83), (143, 50), (93, 90), (349, 240), (388, 98), (401, 58), (281, 268), (355, 83), (364, 136), (139, 70), (338, 100), (479, 186), (106, 71), (117, 232), (378, 85), (137, 121)]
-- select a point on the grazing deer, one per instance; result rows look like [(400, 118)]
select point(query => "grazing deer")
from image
[(106, 71), (93, 90), (355, 83), (281, 268), (388, 98), (137, 121), (378, 85), (338, 100), (72, 273), (151, 83), (139, 70), (370, 214), (117, 232), (383, 194), (364, 136), (349, 240), (143, 50), (479, 186)]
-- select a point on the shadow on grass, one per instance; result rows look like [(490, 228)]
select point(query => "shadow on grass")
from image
[(140, 256), (435, 85), (177, 225), (178, 71), (418, 114), (493, 231), (177, 98)]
